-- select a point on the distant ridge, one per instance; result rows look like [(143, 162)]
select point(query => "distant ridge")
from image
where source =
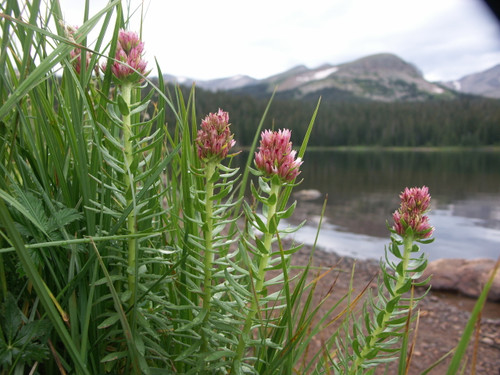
[(486, 83), (381, 77)]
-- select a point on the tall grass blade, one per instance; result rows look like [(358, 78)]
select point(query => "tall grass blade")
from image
[(139, 365), (60, 53), (469, 328), (40, 288)]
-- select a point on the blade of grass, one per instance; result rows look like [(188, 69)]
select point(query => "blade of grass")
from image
[(60, 53), (288, 190), (40, 288), (138, 362), (469, 328), (403, 354), (302, 324), (153, 178)]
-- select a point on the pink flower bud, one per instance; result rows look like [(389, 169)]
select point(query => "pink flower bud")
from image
[(76, 54), (129, 63), (76, 59), (415, 202), (275, 155), (214, 138)]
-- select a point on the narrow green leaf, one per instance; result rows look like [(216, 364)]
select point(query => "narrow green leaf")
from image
[(109, 321), (380, 318), (395, 250), (288, 212), (138, 362), (139, 108), (40, 287), (302, 151), (392, 304), (469, 328), (264, 186), (387, 282), (356, 348), (272, 200), (405, 288), (256, 194), (123, 106), (114, 356), (214, 356), (260, 246), (60, 53), (28, 210), (196, 321)]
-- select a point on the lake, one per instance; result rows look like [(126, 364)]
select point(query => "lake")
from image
[(363, 191)]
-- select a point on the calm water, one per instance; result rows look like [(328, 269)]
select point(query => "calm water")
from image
[(363, 190)]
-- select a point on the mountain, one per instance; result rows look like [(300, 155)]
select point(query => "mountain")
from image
[(227, 83), (486, 83), (382, 77)]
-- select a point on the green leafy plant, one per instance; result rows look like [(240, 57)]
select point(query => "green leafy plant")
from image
[(375, 336), (139, 247), (23, 340)]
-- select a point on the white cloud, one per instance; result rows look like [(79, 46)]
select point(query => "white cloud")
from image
[(210, 39)]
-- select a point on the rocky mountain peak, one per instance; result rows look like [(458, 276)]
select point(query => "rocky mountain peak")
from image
[(381, 63), (380, 77), (486, 83)]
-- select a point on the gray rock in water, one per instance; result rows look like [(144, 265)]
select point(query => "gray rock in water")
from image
[(465, 276), (307, 194)]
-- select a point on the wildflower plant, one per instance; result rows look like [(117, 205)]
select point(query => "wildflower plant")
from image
[(213, 202), (137, 247), (376, 338), (277, 166)]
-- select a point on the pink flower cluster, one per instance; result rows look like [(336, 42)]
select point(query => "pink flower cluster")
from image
[(415, 203), (214, 138), (129, 57), (275, 155), (76, 59), (76, 54)]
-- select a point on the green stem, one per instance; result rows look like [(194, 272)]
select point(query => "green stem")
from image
[(3, 279), (263, 264), (401, 280), (128, 180), (209, 254)]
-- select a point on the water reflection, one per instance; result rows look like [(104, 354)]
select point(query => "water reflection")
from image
[(363, 189)]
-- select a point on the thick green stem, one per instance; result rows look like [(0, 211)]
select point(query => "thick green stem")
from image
[(209, 254), (260, 277), (128, 180), (401, 280)]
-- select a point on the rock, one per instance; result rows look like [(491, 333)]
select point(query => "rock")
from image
[(307, 194), (465, 276), (487, 341)]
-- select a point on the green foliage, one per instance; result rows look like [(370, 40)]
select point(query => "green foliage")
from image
[(133, 256), (23, 341), (464, 121)]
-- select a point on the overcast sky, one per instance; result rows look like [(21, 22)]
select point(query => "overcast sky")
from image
[(206, 39)]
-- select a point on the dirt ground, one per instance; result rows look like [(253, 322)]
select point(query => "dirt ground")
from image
[(442, 317)]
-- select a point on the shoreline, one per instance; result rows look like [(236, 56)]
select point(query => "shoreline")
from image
[(443, 316), (371, 265), (371, 148)]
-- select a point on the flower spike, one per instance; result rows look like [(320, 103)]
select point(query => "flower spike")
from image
[(276, 157), (415, 202), (214, 139), (129, 64)]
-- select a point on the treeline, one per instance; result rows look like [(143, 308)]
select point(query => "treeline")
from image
[(465, 121)]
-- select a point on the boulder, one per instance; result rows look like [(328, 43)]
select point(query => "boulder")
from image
[(307, 194), (465, 276)]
